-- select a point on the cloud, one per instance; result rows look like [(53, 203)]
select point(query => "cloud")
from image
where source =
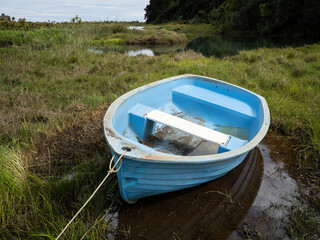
[(62, 10)]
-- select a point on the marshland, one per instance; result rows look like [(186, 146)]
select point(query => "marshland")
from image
[(54, 92)]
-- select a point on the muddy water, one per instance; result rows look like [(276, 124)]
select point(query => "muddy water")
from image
[(174, 141), (253, 198), (278, 191)]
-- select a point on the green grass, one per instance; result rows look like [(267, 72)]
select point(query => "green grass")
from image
[(54, 94), (149, 36), (304, 220), (36, 200), (36, 38)]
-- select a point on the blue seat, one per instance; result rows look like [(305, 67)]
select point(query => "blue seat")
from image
[(216, 107)]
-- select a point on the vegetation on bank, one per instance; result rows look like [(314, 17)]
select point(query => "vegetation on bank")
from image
[(191, 31), (149, 36), (23, 25), (35, 38), (282, 17), (37, 35), (303, 220), (54, 92)]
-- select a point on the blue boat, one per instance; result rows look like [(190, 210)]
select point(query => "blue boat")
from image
[(181, 132)]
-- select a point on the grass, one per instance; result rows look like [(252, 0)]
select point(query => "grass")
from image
[(148, 36), (54, 94), (36, 38), (23, 25), (304, 222), (41, 195)]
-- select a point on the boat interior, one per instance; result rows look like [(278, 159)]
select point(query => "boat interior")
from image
[(190, 116)]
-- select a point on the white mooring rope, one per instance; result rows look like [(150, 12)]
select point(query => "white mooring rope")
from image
[(111, 170), (102, 218)]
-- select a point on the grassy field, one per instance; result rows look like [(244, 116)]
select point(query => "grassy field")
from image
[(54, 92)]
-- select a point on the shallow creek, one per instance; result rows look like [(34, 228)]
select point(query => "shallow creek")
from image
[(256, 195), (217, 46)]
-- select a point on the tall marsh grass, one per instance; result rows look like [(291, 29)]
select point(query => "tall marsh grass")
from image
[(12, 172), (36, 38)]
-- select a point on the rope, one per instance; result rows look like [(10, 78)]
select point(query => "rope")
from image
[(111, 170), (103, 217)]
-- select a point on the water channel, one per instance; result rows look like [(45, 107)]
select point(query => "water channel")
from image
[(217, 46)]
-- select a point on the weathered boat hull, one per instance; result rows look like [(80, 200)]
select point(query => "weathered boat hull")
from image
[(138, 179)]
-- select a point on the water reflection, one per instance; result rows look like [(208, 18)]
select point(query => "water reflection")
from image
[(217, 46), (140, 50), (135, 27), (257, 194), (147, 52), (94, 50), (220, 46), (209, 211), (278, 190)]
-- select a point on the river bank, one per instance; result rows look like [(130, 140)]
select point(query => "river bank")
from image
[(54, 93)]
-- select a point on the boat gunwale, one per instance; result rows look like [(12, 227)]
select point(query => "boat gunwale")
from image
[(114, 138)]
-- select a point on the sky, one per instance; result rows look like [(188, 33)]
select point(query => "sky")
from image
[(65, 10)]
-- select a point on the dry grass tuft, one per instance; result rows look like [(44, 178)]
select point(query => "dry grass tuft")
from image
[(61, 149), (189, 54)]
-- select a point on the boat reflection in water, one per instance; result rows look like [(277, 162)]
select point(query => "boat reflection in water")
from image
[(210, 211)]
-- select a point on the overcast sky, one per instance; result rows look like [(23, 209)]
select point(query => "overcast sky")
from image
[(64, 10)]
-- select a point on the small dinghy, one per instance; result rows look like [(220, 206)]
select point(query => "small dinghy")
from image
[(180, 132)]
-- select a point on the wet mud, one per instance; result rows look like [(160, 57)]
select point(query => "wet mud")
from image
[(251, 201)]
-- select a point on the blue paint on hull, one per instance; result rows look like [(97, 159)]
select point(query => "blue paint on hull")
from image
[(157, 178)]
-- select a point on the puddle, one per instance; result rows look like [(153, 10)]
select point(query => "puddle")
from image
[(68, 177), (135, 50), (255, 195), (147, 52), (135, 27), (94, 50), (131, 53), (112, 219), (278, 191), (174, 141)]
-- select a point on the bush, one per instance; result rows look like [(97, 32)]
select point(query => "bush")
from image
[(22, 25), (119, 28), (201, 17)]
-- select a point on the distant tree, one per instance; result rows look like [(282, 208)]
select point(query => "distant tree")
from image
[(4, 17), (310, 20), (76, 19), (290, 17), (201, 17), (22, 20)]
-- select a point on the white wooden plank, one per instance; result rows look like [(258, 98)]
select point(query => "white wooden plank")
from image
[(194, 129)]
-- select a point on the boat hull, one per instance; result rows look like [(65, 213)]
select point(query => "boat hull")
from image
[(138, 179), (150, 169)]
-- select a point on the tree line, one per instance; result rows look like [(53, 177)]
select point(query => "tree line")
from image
[(284, 17)]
